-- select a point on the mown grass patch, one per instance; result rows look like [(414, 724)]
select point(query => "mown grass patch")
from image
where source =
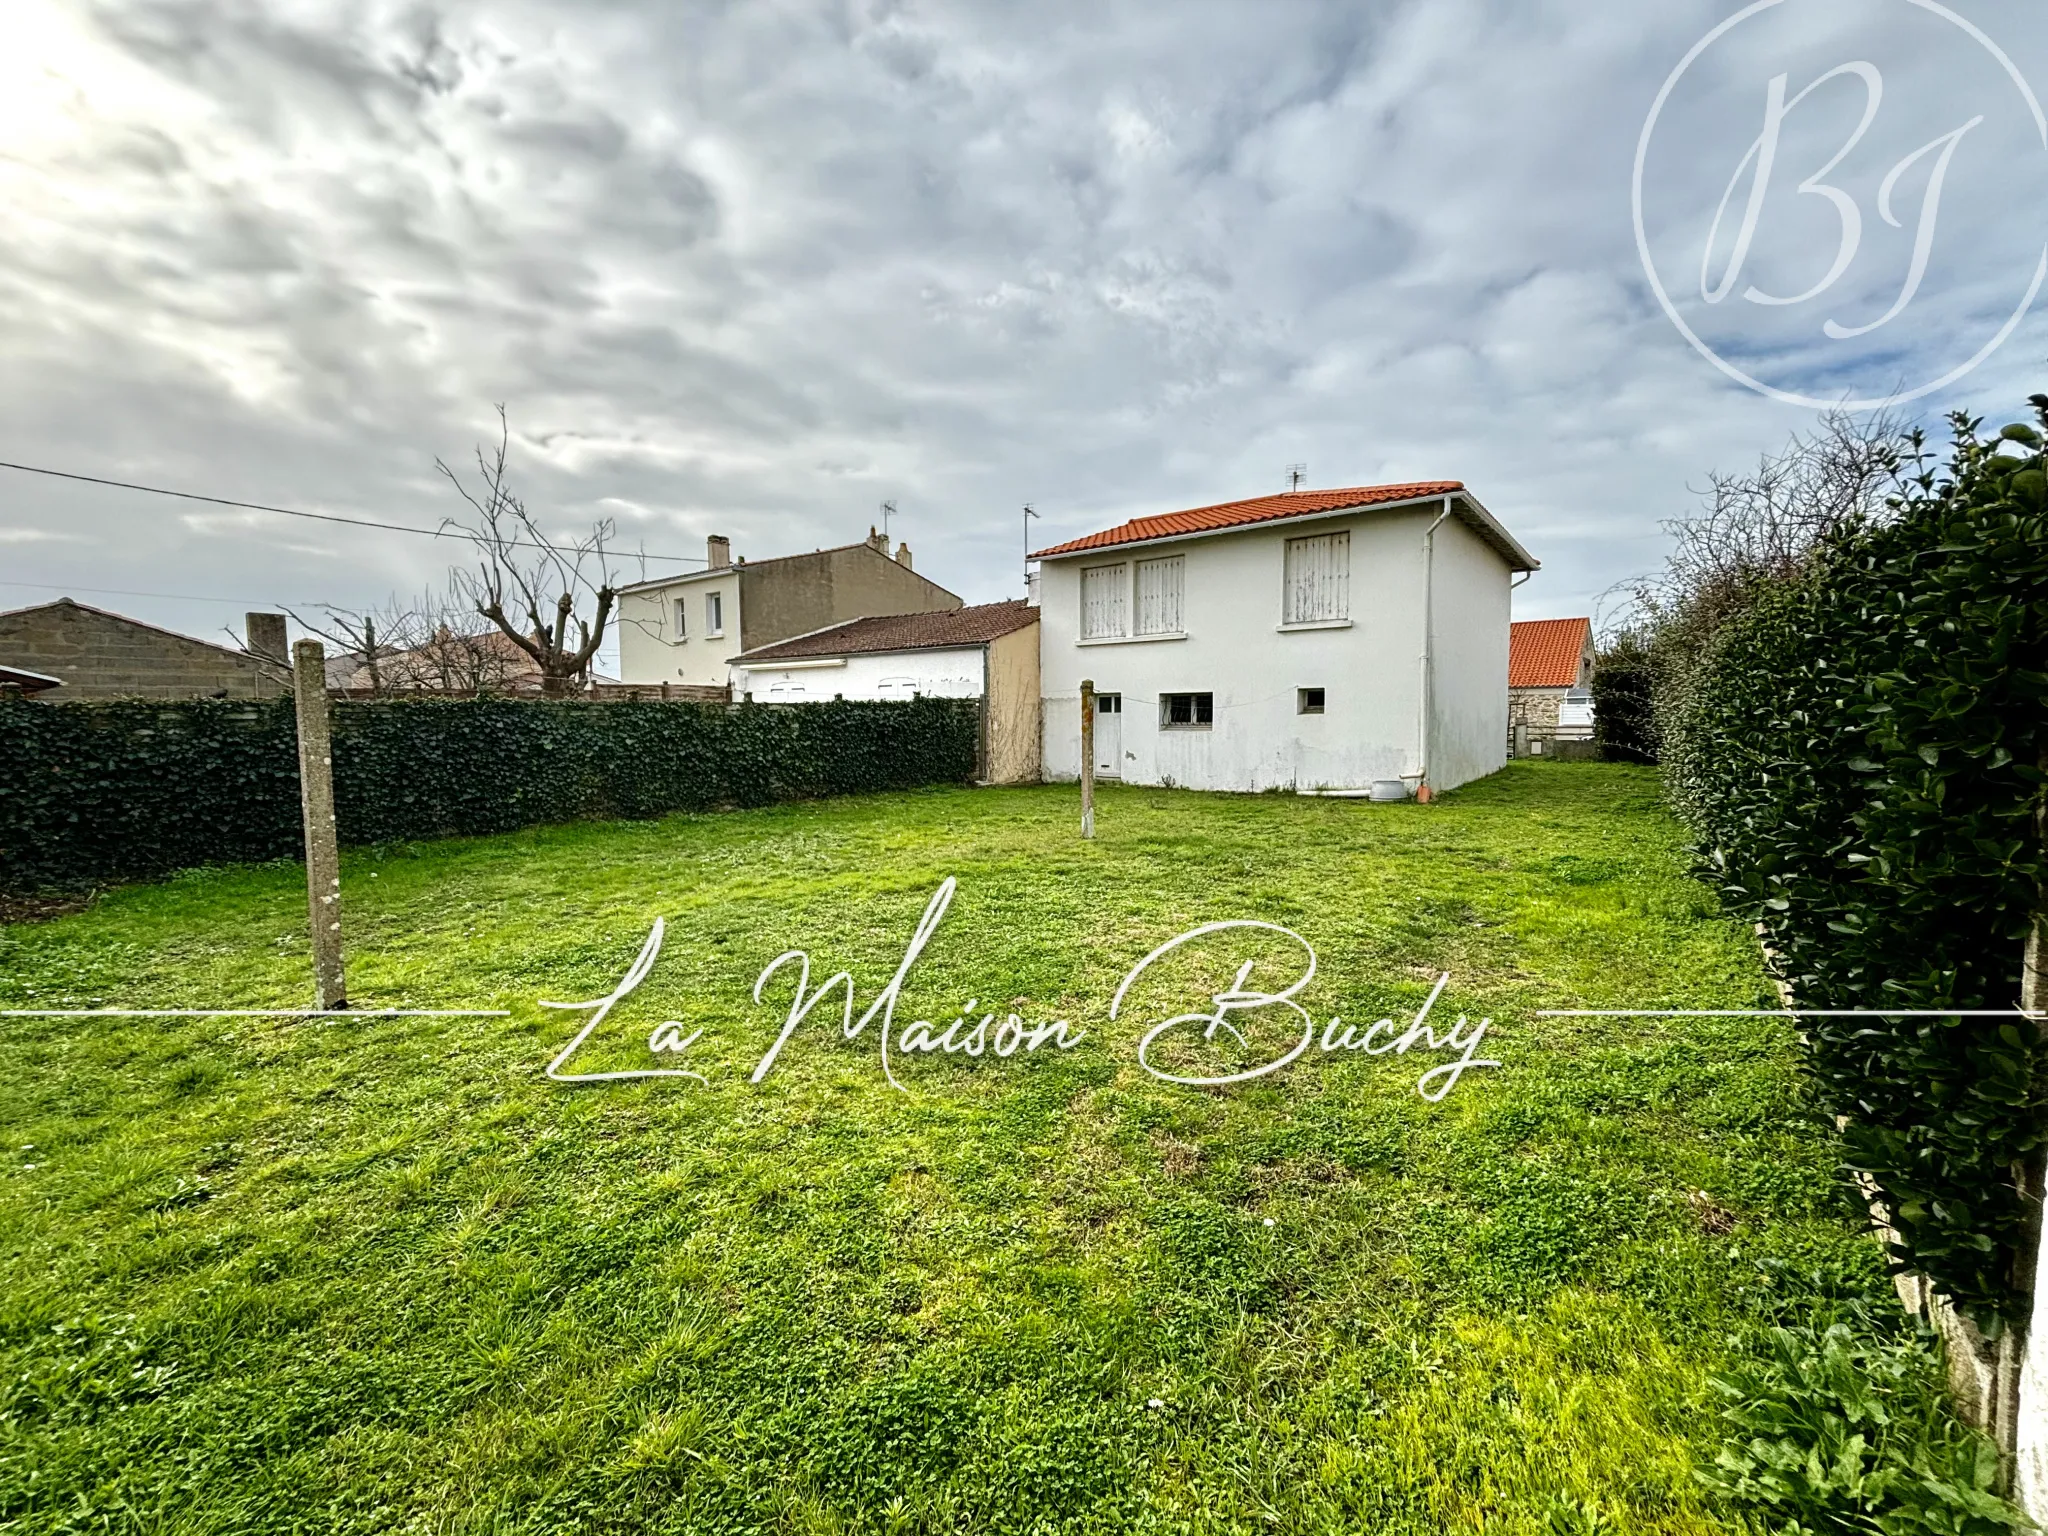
[(379, 1275)]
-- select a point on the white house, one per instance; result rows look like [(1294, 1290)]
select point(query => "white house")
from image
[(1313, 640), (987, 652), (683, 629)]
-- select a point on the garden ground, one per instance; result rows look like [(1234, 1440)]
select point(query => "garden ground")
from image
[(267, 1275)]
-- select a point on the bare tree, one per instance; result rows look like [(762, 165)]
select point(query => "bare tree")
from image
[(369, 637), (1762, 526), (529, 584)]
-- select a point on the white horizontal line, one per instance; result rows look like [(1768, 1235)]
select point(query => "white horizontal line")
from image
[(1783, 1013), (255, 1013)]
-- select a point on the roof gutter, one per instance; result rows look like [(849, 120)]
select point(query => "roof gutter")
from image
[(1498, 538)]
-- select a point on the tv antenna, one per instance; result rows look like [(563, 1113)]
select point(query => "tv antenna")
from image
[(888, 511), (1029, 517), (1296, 473)]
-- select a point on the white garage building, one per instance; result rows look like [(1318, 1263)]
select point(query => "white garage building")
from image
[(1312, 640)]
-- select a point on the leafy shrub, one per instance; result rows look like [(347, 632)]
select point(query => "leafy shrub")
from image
[(1860, 754), (96, 792), (1829, 1430), (1624, 707)]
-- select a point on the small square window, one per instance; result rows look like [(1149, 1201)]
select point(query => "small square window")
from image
[(1187, 711), (1308, 701)]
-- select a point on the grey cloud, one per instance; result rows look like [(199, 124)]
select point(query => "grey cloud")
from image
[(753, 269)]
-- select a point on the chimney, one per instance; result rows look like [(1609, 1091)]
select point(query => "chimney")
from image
[(877, 542), (903, 556), (263, 634), (718, 549)]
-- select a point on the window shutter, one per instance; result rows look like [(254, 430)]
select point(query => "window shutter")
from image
[(1317, 579), (1102, 601), (1159, 595)]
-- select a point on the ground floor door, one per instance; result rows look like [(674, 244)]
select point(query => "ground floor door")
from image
[(1109, 735)]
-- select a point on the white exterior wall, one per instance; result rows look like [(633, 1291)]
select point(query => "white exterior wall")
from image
[(1469, 613), (650, 651), (949, 674), (1235, 649)]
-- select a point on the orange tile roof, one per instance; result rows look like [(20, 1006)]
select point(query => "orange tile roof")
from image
[(1259, 509), (1544, 653)]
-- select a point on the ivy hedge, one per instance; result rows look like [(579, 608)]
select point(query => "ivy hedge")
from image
[(1861, 754), (91, 793)]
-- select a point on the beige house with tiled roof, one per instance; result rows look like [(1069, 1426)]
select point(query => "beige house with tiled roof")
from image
[(682, 629), (987, 652), (1550, 675)]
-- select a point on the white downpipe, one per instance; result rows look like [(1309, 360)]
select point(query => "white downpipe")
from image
[(1428, 678)]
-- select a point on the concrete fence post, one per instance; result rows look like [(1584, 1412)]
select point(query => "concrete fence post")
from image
[(316, 794), (1087, 758)]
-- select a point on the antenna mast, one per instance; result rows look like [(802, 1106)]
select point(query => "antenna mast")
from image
[(1029, 517), (1296, 473), (888, 511)]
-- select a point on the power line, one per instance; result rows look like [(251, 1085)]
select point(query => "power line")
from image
[(318, 517), (175, 597)]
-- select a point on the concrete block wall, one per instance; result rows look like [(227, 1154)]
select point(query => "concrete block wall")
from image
[(102, 655)]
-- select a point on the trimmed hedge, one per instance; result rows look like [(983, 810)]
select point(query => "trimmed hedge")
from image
[(1624, 702), (1861, 754), (91, 793)]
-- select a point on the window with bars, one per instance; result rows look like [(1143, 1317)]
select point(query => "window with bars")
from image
[(1103, 595), (1159, 595), (1317, 579), (1187, 711)]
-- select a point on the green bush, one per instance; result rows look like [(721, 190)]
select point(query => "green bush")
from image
[(1624, 712), (1834, 1431), (1860, 753), (97, 792)]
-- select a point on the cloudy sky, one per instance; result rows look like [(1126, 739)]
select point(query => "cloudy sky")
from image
[(752, 269)]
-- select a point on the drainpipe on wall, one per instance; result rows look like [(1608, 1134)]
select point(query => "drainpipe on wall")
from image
[(1427, 681)]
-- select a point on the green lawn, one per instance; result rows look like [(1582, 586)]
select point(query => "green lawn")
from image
[(381, 1275)]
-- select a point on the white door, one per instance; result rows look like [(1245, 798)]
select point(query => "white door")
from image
[(1109, 735)]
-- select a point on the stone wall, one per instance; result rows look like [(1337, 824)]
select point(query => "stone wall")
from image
[(105, 656)]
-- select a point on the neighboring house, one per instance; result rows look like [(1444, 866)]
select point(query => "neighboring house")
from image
[(1550, 677), (1315, 640), (475, 661), (988, 652), (99, 655), (682, 629)]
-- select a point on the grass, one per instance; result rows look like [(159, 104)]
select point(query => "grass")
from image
[(380, 1275)]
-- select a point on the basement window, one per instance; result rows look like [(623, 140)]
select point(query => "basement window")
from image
[(1187, 711), (1308, 701)]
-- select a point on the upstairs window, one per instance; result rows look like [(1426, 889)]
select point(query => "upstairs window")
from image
[(1159, 595), (1187, 711), (714, 613), (1103, 593), (1317, 580), (682, 620)]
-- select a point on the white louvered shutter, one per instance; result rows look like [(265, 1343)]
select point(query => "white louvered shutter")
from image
[(1318, 579), (1159, 595), (1102, 601)]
